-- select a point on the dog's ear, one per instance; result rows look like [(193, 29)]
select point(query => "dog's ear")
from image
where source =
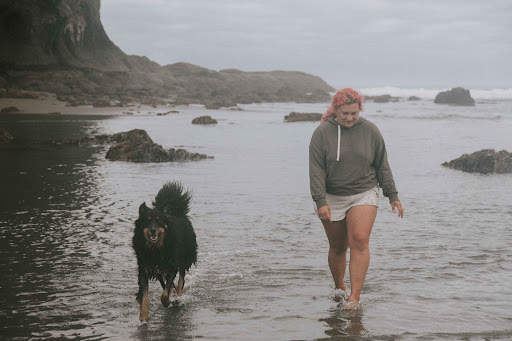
[(142, 209)]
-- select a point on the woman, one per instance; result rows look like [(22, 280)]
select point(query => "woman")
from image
[(347, 164)]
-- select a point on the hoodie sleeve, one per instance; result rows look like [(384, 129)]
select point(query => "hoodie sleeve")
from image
[(382, 169), (317, 174)]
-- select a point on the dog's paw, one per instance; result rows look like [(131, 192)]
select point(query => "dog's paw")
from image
[(165, 299), (144, 318)]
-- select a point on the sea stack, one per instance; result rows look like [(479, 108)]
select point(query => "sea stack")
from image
[(456, 96)]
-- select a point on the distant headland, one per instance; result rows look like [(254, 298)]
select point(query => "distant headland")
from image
[(61, 47)]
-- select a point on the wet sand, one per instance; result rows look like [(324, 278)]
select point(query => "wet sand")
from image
[(52, 105)]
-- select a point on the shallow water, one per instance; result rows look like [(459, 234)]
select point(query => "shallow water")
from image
[(66, 222)]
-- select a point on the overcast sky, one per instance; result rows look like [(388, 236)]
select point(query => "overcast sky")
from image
[(360, 43)]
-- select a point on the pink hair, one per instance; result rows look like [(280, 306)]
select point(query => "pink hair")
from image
[(343, 96)]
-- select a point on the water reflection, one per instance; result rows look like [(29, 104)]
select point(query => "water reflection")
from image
[(176, 323), (43, 233), (345, 323)]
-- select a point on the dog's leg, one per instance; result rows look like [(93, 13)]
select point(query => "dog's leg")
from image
[(167, 289), (161, 280), (142, 297), (181, 283)]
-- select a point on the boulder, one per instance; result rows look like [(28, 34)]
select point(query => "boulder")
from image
[(204, 120), (413, 98), (299, 117), (136, 146), (382, 98), (9, 110), (455, 96), (5, 136), (485, 161)]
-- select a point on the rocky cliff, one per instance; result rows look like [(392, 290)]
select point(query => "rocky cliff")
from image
[(60, 46), (60, 34)]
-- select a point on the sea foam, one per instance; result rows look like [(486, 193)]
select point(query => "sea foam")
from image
[(425, 93)]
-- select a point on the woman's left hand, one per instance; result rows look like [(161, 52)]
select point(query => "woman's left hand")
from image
[(399, 206)]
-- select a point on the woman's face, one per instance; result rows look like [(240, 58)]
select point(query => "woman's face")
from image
[(347, 114)]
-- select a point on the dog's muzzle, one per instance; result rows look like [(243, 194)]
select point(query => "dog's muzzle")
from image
[(154, 235)]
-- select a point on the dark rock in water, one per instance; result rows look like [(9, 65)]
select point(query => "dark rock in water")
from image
[(135, 136), (5, 136), (136, 146), (300, 117), (9, 110), (484, 161), (168, 112), (212, 106), (456, 96), (413, 98), (382, 98), (84, 141), (204, 120)]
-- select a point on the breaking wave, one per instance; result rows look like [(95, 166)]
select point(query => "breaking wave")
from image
[(425, 93)]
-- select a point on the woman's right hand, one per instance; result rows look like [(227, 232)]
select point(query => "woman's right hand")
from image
[(324, 213)]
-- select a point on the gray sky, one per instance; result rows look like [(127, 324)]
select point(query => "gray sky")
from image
[(360, 43)]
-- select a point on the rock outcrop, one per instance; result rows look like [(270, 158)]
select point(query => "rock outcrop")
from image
[(413, 98), (5, 136), (61, 47), (13, 93), (133, 146), (382, 98), (299, 117), (204, 120), (455, 96), (136, 146), (84, 141), (58, 33), (9, 110), (484, 161)]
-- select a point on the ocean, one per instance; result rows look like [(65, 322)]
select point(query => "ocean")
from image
[(67, 217)]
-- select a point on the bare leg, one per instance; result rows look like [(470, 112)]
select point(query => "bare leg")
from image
[(336, 232), (360, 221)]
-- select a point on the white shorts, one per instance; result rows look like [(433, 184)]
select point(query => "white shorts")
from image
[(339, 204)]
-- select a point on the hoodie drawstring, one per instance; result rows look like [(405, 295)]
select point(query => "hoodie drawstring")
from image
[(339, 143)]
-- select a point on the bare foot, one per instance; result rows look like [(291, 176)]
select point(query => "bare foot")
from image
[(351, 305), (338, 295)]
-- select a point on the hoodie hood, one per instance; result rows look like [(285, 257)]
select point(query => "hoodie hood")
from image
[(331, 120), (359, 121)]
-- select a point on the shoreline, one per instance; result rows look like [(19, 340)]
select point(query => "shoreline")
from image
[(51, 105)]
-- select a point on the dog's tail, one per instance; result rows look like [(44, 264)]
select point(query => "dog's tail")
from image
[(173, 200)]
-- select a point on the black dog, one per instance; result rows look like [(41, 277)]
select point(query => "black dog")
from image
[(165, 244)]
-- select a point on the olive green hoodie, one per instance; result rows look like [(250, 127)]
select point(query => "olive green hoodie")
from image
[(347, 161)]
